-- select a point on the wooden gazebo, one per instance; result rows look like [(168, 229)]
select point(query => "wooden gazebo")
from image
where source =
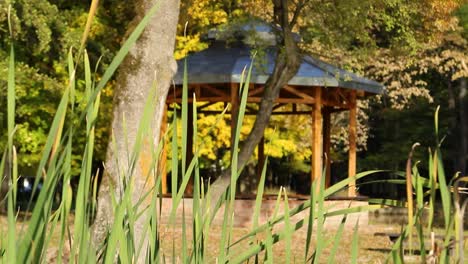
[(214, 75)]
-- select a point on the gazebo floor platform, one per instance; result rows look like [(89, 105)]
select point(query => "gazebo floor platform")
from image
[(244, 211)]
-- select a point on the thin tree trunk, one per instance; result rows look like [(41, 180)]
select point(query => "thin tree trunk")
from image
[(462, 111), (452, 107), (287, 64), (150, 62)]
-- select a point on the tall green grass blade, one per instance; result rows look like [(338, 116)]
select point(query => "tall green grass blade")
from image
[(196, 206), (10, 176), (344, 183), (269, 240), (3, 242), (418, 187), (91, 14), (460, 207), (448, 235), (320, 219), (224, 234), (259, 196), (65, 202), (38, 220), (117, 227), (310, 223), (444, 189), (433, 182), (353, 210), (11, 93), (11, 233), (436, 124), (420, 207), (336, 241), (66, 198), (184, 250), (287, 229), (235, 171), (184, 117), (355, 244), (420, 231)]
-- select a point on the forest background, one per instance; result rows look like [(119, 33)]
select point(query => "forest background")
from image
[(417, 49)]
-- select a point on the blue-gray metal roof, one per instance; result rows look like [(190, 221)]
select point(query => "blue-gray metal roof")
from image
[(223, 64)]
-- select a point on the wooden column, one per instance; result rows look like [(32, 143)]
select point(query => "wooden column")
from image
[(352, 143), (261, 157), (163, 160), (317, 136), (327, 145), (234, 111), (189, 150)]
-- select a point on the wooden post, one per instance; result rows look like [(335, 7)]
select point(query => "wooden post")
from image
[(234, 111), (327, 145), (317, 137), (189, 150), (261, 157), (163, 160), (352, 143)]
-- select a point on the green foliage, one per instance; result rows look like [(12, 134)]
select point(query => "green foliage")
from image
[(43, 33), (462, 14)]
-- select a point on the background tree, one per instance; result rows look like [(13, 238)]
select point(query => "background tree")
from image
[(44, 32), (149, 65)]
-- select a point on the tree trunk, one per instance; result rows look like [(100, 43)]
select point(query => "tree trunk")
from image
[(150, 62), (287, 64), (462, 111)]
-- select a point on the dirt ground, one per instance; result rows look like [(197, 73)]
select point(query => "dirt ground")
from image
[(372, 248)]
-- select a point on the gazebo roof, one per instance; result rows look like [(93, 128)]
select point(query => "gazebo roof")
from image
[(319, 88), (221, 63)]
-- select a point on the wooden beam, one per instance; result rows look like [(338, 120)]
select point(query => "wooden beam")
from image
[(284, 100), (317, 137), (256, 91), (163, 160), (189, 150), (298, 93), (214, 90), (327, 144), (215, 112), (352, 143), (213, 99), (249, 100)]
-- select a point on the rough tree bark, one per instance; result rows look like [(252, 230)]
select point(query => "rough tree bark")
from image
[(287, 64), (149, 62)]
